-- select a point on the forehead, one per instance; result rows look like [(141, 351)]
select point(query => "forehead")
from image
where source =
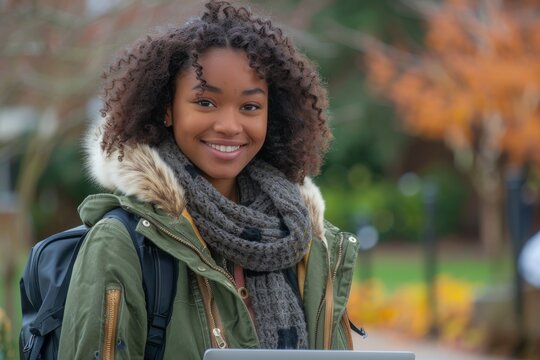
[(224, 67)]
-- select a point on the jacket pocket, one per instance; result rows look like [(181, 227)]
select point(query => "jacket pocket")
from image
[(113, 297)]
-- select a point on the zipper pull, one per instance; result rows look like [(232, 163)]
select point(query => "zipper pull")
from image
[(360, 331), (220, 341), (363, 333)]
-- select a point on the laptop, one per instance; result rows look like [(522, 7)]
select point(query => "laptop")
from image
[(258, 354)]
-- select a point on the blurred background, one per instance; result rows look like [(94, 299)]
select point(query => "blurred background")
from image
[(435, 108)]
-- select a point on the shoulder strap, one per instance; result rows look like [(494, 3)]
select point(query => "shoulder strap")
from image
[(160, 274)]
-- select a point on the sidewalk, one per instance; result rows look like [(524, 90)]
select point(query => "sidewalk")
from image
[(424, 350)]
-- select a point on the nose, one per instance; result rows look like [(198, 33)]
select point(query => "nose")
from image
[(228, 122)]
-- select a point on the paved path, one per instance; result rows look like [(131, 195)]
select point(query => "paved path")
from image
[(424, 350)]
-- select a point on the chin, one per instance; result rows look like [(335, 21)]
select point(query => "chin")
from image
[(222, 175)]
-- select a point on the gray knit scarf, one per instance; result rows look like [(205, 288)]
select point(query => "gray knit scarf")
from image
[(266, 233)]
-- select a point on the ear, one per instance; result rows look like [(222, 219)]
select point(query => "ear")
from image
[(168, 117)]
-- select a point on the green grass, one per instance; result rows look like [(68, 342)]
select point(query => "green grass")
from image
[(394, 269), (15, 317)]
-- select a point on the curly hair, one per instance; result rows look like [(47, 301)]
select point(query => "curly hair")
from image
[(140, 86)]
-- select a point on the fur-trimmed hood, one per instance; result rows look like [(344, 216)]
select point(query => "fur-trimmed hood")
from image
[(143, 174)]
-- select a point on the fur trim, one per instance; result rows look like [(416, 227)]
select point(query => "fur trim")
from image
[(315, 204), (96, 162), (144, 175), (141, 174)]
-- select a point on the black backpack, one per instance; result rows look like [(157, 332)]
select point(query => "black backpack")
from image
[(45, 282)]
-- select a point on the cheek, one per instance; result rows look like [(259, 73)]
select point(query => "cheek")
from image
[(184, 135), (185, 124), (262, 130)]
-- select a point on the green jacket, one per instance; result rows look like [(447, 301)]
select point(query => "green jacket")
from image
[(105, 313)]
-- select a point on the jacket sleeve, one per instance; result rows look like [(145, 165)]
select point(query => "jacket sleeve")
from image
[(105, 313)]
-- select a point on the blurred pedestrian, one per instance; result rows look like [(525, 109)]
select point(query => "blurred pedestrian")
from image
[(529, 261)]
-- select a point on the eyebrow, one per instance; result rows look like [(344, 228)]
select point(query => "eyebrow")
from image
[(253, 91), (217, 90), (208, 87)]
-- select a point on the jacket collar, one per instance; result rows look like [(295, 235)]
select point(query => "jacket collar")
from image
[(144, 175)]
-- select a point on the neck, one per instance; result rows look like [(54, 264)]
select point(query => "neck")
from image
[(227, 188)]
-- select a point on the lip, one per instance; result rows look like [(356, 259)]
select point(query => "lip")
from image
[(224, 142), (224, 155)]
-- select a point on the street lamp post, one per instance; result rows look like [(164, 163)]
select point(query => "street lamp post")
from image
[(519, 210), (430, 254)]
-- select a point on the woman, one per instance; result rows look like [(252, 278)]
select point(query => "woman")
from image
[(209, 133)]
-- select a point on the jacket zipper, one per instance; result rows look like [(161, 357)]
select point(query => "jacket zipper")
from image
[(216, 335), (323, 300), (319, 311), (345, 318), (215, 320), (217, 332), (340, 255), (216, 329), (112, 306), (192, 247), (219, 338), (329, 313)]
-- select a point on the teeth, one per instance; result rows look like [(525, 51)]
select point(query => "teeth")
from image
[(224, 148)]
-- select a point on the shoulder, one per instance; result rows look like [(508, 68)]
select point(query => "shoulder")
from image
[(334, 235), (107, 246), (108, 232), (341, 245)]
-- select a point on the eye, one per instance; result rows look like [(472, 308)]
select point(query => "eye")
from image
[(250, 107), (204, 103)]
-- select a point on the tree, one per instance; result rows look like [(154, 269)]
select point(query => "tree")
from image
[(475, 85), (51, 58)]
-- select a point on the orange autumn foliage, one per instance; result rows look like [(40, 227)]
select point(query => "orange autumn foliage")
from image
[(478, 78), (407, 311)]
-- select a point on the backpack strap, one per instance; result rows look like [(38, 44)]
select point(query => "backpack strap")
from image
[(160, 274)]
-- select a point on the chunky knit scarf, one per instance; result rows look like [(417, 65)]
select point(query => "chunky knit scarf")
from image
[(266, 233)]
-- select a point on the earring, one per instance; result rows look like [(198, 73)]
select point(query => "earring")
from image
[(165, 123)]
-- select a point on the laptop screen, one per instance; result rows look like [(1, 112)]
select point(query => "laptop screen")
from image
[(259, 354)]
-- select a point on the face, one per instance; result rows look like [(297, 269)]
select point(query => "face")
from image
[(221, 129)]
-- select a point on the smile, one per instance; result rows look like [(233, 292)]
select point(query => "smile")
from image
[(224, 148)]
